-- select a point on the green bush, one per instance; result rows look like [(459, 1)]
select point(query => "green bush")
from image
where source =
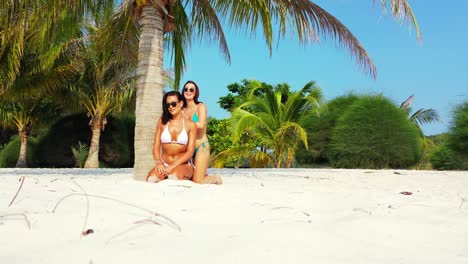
[(10, 153), (443, 158), (458, 135), (54, 150), (453, 153), (319, 129), (374, 133)]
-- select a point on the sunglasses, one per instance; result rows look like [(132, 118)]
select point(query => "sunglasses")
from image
[(173, 104), (187, 89)]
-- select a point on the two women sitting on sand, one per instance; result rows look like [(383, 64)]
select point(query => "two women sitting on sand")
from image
[(174, 144)]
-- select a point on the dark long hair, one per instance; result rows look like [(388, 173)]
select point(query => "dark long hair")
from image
[(166, 116), (197, 92)]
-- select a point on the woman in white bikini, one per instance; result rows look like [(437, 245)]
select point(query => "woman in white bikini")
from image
[(174, 142), (196, 111)]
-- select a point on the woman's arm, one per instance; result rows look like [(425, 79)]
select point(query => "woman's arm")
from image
[(202, 113)]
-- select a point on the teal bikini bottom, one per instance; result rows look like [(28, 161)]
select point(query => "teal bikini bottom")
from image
[(203, 146)]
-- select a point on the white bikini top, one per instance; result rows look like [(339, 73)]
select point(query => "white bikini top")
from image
[(181, 139)]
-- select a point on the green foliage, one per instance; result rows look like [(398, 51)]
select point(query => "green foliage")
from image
[(374, 133), (444, 158), (80, 153), (319, 129), (453, 153), (240, 92), (219, 134), (54, 150), (273, 119), (458, 135), (10, 153)]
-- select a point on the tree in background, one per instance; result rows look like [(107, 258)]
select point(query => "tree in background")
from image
[(418, 118), (30, 71), (187, 20), (275, 122), (106, 83), (421, 116)]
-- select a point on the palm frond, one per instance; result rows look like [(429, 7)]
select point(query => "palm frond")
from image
[(425, 116), (179, 40), (402, 11), (406, 105)]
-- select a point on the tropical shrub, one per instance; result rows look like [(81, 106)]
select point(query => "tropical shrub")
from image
[(453, 153), (444, 158), (224, 151), (319, 129), (10, 153), (80, 153), (374, 133), (54, 150), (458, 136)]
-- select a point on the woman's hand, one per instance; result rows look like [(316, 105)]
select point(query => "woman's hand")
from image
[(160, 167), (168, 169)]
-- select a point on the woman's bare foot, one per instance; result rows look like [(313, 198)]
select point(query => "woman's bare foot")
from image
[(152, 179), (213, 179)]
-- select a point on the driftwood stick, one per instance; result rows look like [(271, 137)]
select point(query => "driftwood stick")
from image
[(19, 189)]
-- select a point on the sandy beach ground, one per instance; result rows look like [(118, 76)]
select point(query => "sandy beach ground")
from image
[(256, 216)]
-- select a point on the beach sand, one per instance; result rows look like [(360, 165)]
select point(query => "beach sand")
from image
[(256, 216)]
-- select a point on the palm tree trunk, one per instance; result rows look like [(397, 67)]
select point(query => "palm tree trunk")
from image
[(150, 88), (21, 163), (93, 155)]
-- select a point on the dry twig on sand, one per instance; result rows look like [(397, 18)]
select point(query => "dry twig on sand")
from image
[(138, 225), (166, 220), (19, 189), (24, 217), (462, 201)]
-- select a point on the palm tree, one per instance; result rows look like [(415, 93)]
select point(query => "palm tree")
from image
[(274, 119), (418, 118), (22, 113), (30, 70), (185, 20), (421, 116), (106, 83)]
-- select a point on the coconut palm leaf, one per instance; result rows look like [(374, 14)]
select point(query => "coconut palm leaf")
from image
[(425, 116)]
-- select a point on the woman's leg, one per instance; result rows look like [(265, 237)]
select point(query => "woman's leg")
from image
[(202, 161), (183, 172)]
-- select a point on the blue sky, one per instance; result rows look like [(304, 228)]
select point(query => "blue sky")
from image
[(434, 70)]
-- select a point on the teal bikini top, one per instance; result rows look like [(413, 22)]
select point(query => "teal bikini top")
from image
[(195, 117)]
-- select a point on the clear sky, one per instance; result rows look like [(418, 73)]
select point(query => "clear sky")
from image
[(434, 70)]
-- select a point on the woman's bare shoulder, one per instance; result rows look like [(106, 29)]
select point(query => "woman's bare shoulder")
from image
[(201, 105)]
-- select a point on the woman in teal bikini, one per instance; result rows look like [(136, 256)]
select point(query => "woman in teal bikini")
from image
[(196, 111), (174, 142)]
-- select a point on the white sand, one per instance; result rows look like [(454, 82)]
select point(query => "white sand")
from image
[(257, 216)]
